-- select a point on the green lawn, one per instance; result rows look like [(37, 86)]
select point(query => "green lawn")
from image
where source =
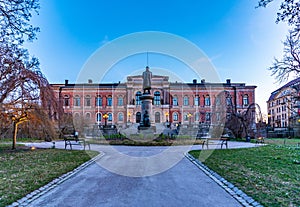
[(270, 174), (23, 170)]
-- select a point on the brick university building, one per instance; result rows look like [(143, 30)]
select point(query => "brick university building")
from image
[(174, 102)]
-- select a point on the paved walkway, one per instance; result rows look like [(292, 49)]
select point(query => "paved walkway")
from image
[(120, 178)]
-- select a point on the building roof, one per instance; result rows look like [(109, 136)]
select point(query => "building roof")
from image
[(289, 84)]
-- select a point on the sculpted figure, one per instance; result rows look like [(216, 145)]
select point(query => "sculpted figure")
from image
[(147, 75)]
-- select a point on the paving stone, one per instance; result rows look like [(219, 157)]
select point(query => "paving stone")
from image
[(251, 200), (23, 200), (230, 185), (42, 188), (15, 204), (29, 196), (248, 199), (239, 192), (239, 199)]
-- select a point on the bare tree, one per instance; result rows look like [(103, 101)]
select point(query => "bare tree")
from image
[(289, 64), (25, 94)]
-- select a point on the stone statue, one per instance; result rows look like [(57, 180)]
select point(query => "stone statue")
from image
[(147, 76)]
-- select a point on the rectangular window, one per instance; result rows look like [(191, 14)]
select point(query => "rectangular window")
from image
[(245, 100), (87, 101), (185, 101), (109, 101), (175, 101), (196, 101), (67, 102), (207, 116), (120, 101), (98, 101), (207, 101), (77, 101)]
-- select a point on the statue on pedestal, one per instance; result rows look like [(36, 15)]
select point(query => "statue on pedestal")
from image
[(147, 76)]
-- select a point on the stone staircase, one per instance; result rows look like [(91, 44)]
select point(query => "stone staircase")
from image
[(132, 129)]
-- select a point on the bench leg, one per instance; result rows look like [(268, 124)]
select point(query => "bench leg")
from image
[(68, 143)]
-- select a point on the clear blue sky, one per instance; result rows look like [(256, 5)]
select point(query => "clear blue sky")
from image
[(241, 41)]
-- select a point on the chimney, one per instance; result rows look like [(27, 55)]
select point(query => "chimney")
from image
[(66, 82), (194, 81), (90, 81), (228, 81)]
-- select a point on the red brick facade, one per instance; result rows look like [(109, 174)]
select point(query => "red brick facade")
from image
[(172, 101)]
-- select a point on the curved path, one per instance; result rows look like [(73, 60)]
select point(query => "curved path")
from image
[(182, 184)]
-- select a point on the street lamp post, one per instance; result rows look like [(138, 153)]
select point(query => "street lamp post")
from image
[(190, 118), (129, 114), (105, 117), (167, 116)]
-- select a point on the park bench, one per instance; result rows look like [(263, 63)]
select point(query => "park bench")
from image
[(74, 140), (260, 140), (215, 141)]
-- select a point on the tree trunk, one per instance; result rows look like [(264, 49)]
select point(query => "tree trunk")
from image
[(15, 130)]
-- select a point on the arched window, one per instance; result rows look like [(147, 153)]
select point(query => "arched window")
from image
[(120, 101), (120, 117), (185, 100), (66, 100), (207, 116), (88, 116), (76, 116), (197, 116), (157, 117), (87, 100), (246, 100), (185, 117), (138, 117), (175, 101), (98, 101), (156, 98), (98, 117), (109, 117), (207, 100), (77, 100), (175, 116), (137, 98), (109, 101)]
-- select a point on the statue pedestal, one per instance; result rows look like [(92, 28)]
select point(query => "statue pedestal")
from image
[(145, 124), (146, 99)]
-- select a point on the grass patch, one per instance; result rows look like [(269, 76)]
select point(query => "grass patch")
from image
[(282, 141), (23, 170), (270, 174), (10, 140)]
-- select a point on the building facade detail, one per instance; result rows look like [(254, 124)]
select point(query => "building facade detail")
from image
[(283, 105), (173, 102)]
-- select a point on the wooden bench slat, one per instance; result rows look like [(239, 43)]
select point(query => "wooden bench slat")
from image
[(72, 140), (221, 141)]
